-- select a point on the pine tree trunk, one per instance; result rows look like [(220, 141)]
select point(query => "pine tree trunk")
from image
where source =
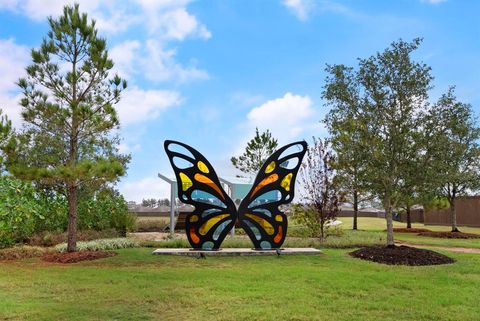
[(453, 215), (72, 218), (409, 218), (389, 218), (355, 209)]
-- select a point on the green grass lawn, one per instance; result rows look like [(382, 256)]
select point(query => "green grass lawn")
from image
[(379, 224), (136, 285), (369, 224)]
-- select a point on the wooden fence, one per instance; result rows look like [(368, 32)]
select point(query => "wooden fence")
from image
[(468, 213)]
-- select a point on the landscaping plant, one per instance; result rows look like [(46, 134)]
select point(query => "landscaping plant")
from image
[(68, 111)]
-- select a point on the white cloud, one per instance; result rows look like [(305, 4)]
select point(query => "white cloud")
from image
[(147, 187), (125, 148), (152, 61), (139, 105), (13, 59), (286, 117), (124, 55), (40, 9), (164, 21), (159, 64), (168, 19), (300, 8), (178, 24)]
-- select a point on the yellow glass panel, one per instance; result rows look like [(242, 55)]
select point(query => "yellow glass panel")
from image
[(286, 182), (263, 223), (269, 180), (194, 218), (186, 181), (270, 167), (278, 218), (211, 222), (205, 180), (202, 167)]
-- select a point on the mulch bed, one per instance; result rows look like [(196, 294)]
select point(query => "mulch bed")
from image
[(401, 255), (410, 230), (450, 235), (75, 257)]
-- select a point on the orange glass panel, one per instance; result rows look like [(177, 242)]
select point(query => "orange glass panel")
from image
[(269, 180), (193, 236), (186, 181), (202, 167), (279, 235), (210, 223), (270, 167), (205, 180), (286, 182), (263, 223)]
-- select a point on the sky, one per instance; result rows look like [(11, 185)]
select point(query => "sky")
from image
[(208, 73)]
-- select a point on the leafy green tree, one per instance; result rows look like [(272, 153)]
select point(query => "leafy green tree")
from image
[(68, 109), (384, 106), (163, 202), (457, 153), (342, 94), (149, 202), (104, 208), (256, 153), (19, 211), (395, 91)]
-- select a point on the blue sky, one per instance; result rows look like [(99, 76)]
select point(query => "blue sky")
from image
[(208, 72)]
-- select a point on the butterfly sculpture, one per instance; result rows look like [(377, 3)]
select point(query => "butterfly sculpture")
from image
[(260, 217)]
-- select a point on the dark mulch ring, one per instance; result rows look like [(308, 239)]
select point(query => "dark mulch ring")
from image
[(450, 235), (410, 230), (75, 257), (401, 255)]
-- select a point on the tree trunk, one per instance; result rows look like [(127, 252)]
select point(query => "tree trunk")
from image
[(72, 219), (389, 218), (322, 230), (355, 209), (453, 215), (409, 218)]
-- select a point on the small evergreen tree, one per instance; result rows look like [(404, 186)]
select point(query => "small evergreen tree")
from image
[(256, 153), (68, 111)]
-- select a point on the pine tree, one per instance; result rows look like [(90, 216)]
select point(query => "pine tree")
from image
[(67, 107), (256, 153)]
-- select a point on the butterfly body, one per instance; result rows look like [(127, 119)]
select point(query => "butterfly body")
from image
[(214, 216)]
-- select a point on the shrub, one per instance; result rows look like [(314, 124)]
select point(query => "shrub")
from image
[(53, 210), (18, 211), (47, 238), (105, 209), (307, 218), (101, 245)]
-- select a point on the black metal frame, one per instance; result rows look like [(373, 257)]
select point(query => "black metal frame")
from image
[(267, 240)]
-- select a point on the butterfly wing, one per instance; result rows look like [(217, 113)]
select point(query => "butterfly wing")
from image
[(259, 212), (198, 185)]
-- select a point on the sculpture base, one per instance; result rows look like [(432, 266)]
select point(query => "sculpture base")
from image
[(238, 252)]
